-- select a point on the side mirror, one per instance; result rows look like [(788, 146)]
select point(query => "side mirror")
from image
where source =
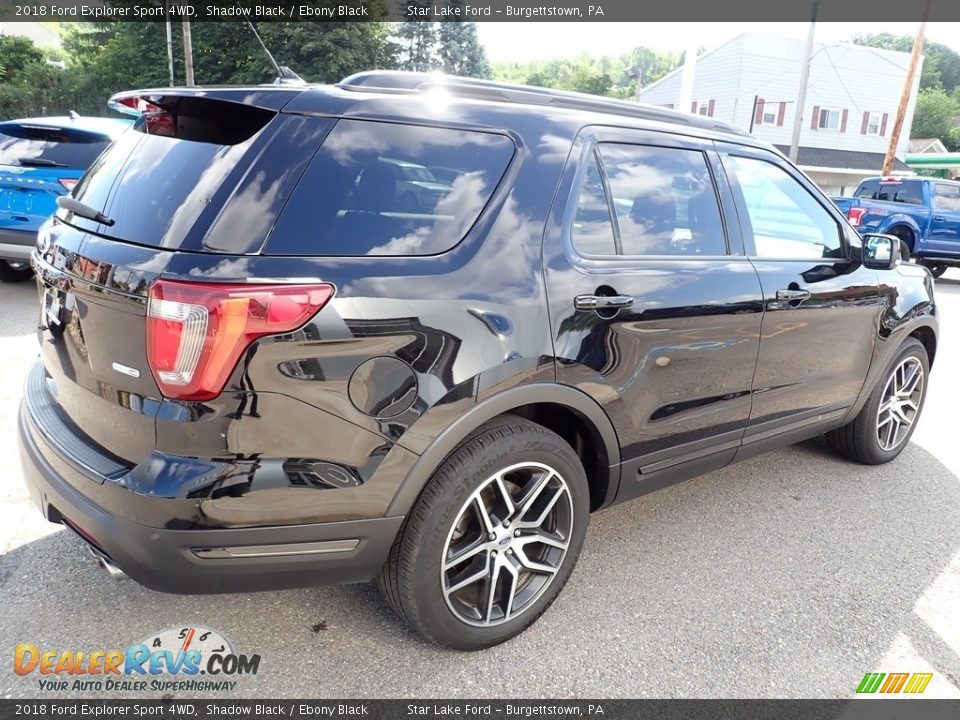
[(881, 252)]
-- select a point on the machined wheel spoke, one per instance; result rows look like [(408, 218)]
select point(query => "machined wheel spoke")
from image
[(533, 566), (511, 589), (506, 496), (492, 591), (531, 497), (542, 538), (484, 514), (901, 415), (466, 553), (470, 579), (892, 431), (541, 518), (910, 381)]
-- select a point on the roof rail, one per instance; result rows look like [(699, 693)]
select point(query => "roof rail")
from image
[(396, 81)]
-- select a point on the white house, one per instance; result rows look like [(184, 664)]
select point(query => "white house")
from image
[(852, 96)]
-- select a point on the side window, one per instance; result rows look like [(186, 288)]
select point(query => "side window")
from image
[(946, 197), (370, 190), (785, 219), (592, 231), (664, 200)]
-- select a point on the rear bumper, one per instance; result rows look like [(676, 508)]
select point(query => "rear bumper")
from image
[(17, 244), (192, 561)]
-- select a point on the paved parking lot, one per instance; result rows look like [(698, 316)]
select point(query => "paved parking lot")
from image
[(789, 575)]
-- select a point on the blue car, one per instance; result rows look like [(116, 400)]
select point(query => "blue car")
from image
[(41, 159)]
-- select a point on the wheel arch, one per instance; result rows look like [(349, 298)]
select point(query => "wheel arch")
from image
[(928, 338), (901, 222), (572, 414)]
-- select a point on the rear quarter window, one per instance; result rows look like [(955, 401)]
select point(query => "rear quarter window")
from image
[(35, 145), (377, 188)]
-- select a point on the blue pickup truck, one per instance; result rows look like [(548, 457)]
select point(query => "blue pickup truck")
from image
[(923, 212)]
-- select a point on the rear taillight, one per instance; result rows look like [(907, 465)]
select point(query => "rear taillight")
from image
[(855, 215), (69, 183), (196, 332)]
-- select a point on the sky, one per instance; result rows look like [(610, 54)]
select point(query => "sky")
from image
[(525, 41)]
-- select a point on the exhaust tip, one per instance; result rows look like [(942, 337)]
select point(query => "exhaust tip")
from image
[(104, 562)]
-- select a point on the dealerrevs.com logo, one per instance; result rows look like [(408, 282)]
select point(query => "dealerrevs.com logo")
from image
[(183, 659)]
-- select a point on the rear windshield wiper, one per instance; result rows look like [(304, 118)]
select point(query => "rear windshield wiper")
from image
[(40, 162), (83, 210)]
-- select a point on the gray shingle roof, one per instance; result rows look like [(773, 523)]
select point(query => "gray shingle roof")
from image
[(852, 159)]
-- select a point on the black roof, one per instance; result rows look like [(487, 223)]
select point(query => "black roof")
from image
[(853, 159), (404, 93)]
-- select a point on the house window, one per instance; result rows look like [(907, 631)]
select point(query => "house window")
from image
[(768, 113), (829, 119), (702, 108), (874, 123)]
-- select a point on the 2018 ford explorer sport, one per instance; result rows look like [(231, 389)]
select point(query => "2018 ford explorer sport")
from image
[(262, 368)]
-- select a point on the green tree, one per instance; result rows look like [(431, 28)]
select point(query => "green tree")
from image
[(952, 139), (604, 75), (15, 54), (418, 45), (460, 50), (933, 116), (941, 64)]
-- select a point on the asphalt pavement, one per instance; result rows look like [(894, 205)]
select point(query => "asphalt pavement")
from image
[(790, 575)]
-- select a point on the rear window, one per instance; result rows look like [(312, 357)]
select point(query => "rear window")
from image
[(896, 191), (164, 181), (39, 146), (379, 188)]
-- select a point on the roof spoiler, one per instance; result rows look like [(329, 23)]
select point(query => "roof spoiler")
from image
[(265, 97)]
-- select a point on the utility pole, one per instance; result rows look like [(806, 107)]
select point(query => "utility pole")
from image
[(187, 53), (166, 13), (905, 94), (804, 79)]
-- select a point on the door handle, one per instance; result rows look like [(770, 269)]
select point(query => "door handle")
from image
[(602, 302), (793, 295), (939, 218)]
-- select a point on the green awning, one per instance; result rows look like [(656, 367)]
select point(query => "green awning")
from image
[(932, 160)]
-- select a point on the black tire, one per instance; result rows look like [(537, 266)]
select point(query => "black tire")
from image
[(937, 270), (860, 440), (14, 272), (906, 238), (413, 580)]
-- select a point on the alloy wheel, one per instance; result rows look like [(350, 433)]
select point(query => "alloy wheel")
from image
[(900, 404), (507, 544)]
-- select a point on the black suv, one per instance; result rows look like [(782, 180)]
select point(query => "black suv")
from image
[(263, 366)]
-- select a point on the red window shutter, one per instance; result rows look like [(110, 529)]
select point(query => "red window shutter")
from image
[(883, 125), (843, 121), (758, 117), (865, 123), (815, 121), (710, 107), (781, 113), (693, 106)]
